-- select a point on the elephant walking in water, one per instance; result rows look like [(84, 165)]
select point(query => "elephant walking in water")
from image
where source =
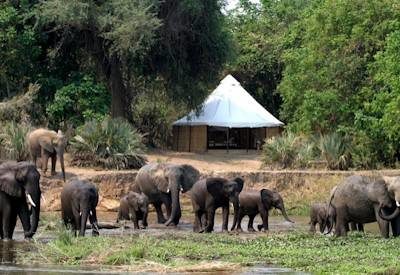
[(19, 189), (362, 200), (162, 184), (47, 144), (78, 203)]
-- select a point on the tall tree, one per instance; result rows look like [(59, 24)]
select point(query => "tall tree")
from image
[(183, 42)]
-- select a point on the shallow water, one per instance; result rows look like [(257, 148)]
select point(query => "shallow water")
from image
[(9, 249)]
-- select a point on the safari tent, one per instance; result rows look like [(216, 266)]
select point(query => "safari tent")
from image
[(230, 118)]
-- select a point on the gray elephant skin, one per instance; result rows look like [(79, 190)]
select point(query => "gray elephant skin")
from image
[(361, 199), (78, 203), (319, 215), (19, 190), (209, 194), (134, 206), (254, 202), (47, 144), (162, 184)]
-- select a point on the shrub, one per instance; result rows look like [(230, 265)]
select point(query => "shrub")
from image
[(335, 150), (79, 101), (111, 144), (281, 150), (13, 141)]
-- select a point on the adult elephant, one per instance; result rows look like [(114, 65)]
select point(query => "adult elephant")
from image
[(209, 194), (254, 202), (78, 203), (19, 191), (45, 144), (393, 214), (361, 199), (162, 184)]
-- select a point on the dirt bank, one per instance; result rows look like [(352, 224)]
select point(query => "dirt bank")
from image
[(299, 188)]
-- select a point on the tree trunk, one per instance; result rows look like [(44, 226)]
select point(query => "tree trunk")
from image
[(120, 99)]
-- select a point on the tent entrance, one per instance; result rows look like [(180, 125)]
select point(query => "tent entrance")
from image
[(233, 138)]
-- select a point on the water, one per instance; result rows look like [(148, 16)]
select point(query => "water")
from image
[(9, 249)]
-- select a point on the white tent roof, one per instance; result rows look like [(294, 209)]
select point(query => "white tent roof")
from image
[(230, 105)]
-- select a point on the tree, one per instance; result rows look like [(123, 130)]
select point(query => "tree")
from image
[(183, 42)]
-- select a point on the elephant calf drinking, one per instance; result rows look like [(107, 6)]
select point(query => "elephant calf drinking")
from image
[(78, 203), (135, 207)]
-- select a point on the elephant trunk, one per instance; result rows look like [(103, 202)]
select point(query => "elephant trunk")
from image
[(236, 210), (176, 208), (84, 216), (93, 222), (285, 216), (35, 219), (62, 165), (391, 216)]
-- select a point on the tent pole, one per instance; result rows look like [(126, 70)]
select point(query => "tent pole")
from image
[(248, 139), (190, 137), (227, 141), (177, 141)]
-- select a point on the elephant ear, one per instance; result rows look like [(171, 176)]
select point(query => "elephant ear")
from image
[(134, 202), (10, 185), (190, 177), (267, 197), (46, 143), (240, 183), (161, 179), (215, 186)]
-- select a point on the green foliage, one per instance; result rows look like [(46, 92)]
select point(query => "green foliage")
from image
[(281, 150), (19, 50), (110, 143), (299, 251), (79, 101), (335, 151), (13, 141)]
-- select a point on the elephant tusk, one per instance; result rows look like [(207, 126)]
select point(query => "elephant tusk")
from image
[(91, 213), (30, 200), (398, 204), (168, 190), (181, 189), (80, 214)]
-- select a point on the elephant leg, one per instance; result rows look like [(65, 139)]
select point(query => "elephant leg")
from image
[(45, 160), (395, 224), (264, 217), (250, 227), (347, 227), (360, 227), (210, 220), (24, 215), (1, 228), (13, 222), (239, 225), (53, 164), (312, 226), (160, 215), (166, 200), (197, 226), (341, 222), (225, 218), (383, 225), (353, 226)]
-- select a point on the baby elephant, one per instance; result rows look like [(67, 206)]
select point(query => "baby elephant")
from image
[(319, 215), (78, 202), (253, 202), (134, 207)]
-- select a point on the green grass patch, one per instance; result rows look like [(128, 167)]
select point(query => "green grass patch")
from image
[(357, 253)]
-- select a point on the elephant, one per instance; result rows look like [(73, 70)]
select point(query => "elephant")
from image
[(319, 215), (209, 194), (253, 202), (393, 187), (162, 183), (19, 196), (78, 202), (46, 143), (362, 199), (135, 207)]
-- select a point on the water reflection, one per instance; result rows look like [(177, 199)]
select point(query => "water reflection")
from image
[(7, 252)]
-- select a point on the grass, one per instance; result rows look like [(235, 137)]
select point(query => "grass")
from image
[(357, 253)]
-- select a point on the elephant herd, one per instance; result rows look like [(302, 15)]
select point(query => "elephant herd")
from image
[(352, 203), (358, 200)]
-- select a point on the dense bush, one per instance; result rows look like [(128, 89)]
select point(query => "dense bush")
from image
[(298, 151), (110, 143), (13, 141), (79, 101)]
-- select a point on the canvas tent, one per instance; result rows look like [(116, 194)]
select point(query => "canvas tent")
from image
[(229, 118)]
